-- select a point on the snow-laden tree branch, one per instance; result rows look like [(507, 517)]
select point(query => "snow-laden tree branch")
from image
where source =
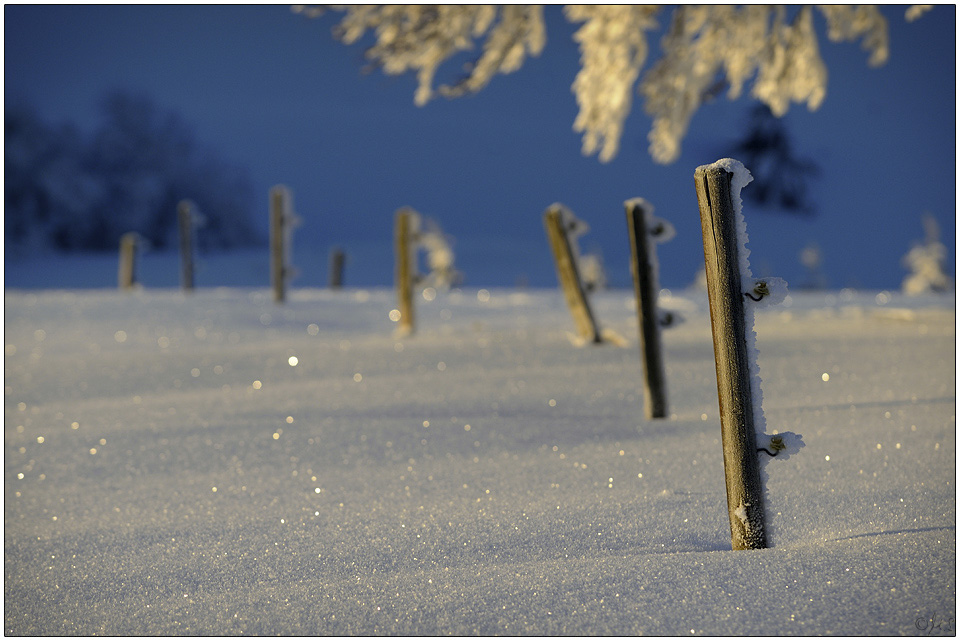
[(421, 37), (613, 47), (711, 43), (520, 30), (705, 48)]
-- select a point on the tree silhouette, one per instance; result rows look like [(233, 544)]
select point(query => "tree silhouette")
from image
[(779, 176)]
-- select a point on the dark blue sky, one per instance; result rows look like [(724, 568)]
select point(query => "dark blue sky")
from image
[(273, 91)]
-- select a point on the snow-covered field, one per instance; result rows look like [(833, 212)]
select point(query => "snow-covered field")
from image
[(218, 464)]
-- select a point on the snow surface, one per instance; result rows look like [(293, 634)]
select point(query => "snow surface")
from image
[(217, 464)]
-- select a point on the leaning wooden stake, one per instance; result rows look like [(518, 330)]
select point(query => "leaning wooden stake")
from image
[(405, 223), (126, 272), (645, 287), (185, 219), (282, 222), (555, 220), (721, 257), (337, 260)]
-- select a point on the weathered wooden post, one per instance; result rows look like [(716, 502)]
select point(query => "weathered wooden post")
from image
[(282, 222), (126, 272), (185, 219), (406, 222), (559, 222), (337, 260), (718, 218), (643, 266)]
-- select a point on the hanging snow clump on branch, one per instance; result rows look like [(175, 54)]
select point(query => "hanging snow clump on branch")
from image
[(705, 49), (613, 48), (421, 37), (706, 43)]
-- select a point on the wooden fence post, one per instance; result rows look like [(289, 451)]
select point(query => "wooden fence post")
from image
[(405, 225), (646, 289), (555, 219), (282, 222), (337, 260), (126, 272), (721, 257), (185, 225)]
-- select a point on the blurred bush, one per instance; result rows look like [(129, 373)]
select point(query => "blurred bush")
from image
[(68, 191)]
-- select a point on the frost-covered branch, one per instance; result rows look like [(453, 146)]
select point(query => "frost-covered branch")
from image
[(613, 48), (705, 47), (519, 31), (422, 37), (706, 43), (848, 22), (915, 11)]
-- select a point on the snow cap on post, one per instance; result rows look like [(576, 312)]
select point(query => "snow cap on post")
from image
[(658, 229), (741, 178)]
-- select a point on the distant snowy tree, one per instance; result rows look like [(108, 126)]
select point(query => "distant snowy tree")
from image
[(926, 261), (811, 256), (592, 273), (705, 47), (73, 192), (699, 283), (442, 273)]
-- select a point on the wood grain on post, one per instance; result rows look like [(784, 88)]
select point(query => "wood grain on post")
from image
[(645, 289), (337, 260), (569, 275), (721, 257), (405, 268), (126, 272), (279, 204), (185, 224)]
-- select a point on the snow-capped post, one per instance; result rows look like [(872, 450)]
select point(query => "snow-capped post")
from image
[(406, 222), (126, 272), (185, 220), (734, 296), (282, 222), (718, 220), (644, 231), (561, 225), (337, 260)]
